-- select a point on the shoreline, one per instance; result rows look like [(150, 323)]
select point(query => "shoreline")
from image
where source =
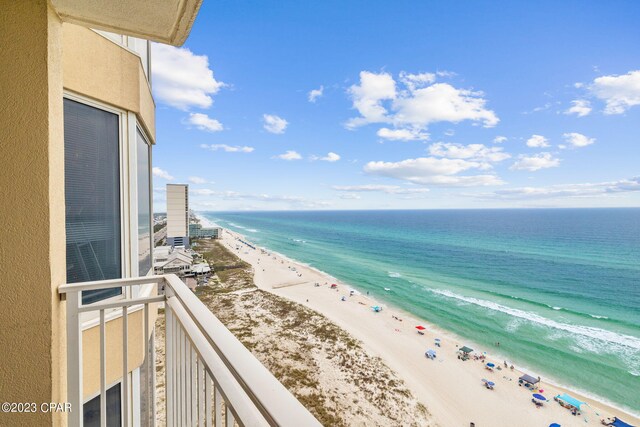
[(605, 407), (301, 290)]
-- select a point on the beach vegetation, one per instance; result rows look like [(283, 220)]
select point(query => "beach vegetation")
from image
[(324, 367)]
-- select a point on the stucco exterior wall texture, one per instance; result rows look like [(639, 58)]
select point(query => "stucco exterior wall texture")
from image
[(100, 69), (32, 251), (39, 57)]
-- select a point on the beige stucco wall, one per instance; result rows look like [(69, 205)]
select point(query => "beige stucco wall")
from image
[(32, 248), (114, 341), (98, 68), (36, 50)]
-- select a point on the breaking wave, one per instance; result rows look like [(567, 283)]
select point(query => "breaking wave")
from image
[(602, 336)]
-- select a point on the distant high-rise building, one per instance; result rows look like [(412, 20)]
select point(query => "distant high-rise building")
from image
[(178, 215)]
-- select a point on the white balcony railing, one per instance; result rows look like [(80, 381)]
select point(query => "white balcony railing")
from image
[(210, 377)]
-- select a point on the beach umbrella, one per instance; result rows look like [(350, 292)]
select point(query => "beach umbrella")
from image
[(430, 353), (539, 397), (491, 383), (491, 365), (420, 328), (555, 425), (437, 339)]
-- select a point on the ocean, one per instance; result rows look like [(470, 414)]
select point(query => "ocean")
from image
[(559, 289)]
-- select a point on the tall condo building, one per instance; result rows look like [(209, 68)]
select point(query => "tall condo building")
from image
[(178, 215)]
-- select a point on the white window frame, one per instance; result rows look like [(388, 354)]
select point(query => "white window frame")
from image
[(133, 128), (128, 207)]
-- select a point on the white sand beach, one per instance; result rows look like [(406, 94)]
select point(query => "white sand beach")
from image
[(451, 389)]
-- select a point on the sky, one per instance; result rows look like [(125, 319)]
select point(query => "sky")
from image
[(294, 105)]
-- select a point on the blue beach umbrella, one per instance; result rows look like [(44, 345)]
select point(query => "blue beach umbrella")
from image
[(539, 397), (491, 383), (491, 365), (555, 425)]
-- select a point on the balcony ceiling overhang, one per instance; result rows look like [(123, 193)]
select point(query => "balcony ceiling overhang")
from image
[(164, 21)]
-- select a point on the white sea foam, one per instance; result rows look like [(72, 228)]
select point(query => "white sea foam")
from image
[(205, 222), (252, 230), (585, 338), (595, 316), (394, 274), (576, 330), (513, 325)]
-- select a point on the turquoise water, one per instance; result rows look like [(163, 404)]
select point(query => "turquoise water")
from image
[(559, 289)]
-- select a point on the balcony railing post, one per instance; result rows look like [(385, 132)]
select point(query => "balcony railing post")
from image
[(74, 360), (168, 366), (125, 367), (103, 370)]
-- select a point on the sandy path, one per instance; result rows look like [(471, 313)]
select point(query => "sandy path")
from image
[(449, 388)]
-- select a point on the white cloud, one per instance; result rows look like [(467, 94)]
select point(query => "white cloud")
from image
[(389, 189), (204, 122), (274, 124), (442, 102), (331, 157), (414, 81), (197, 180), (579, 107), (161, 173), (289, 155), (432, 170), (227, 148), (499, 139), (476, 152), (537, 141), (578, 139), (566, 190), (535, 162), (350, 196), (290, 201), (402, 134), (181, 78), (204, 192), (417, 104), (367, 97), (618, 92), (316, 93)]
